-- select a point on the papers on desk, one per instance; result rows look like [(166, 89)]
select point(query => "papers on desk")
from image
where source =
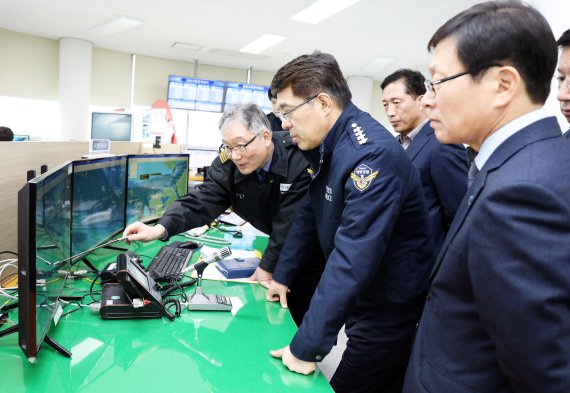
[(232, 219), (212, 273)]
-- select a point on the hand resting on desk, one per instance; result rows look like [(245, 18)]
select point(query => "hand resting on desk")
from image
[(138, 231), (292, 363), (277, 291), (262, 276)]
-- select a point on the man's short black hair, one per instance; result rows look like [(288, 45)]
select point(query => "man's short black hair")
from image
[(413, 80), (564, 39), (309, 75), (507, 33), (6, 134), (270, 94)]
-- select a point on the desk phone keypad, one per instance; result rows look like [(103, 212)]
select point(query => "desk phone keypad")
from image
[(223, 300)]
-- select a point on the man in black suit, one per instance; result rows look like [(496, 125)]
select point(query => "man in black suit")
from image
[(443, 168), (274, 121), (564, 76), (497, 315)]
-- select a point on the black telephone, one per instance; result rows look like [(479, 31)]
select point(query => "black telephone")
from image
[(134, 295)]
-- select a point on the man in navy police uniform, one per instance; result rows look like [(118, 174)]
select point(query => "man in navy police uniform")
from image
[(497, 318), (443, 168), (365, 209), (263, 176)]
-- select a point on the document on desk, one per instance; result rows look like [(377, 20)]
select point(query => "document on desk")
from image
[(212, 273)]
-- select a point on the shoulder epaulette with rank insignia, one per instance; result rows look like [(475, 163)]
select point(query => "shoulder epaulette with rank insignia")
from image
[(359, 134), (310, 170), (223, 156)]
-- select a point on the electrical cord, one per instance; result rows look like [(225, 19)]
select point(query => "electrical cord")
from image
[(175, 286), (177, 308), (9, 252)]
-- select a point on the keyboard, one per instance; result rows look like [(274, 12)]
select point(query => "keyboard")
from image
[(169, 262)]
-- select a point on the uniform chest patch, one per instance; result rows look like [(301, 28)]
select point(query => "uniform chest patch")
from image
[(284, 187), (363, 176)]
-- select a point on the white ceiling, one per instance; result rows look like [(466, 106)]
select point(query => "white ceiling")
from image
[(360, 37)]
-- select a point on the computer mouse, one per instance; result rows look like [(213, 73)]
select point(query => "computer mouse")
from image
[(190, 245)]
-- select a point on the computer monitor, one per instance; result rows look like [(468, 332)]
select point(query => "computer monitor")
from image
[(21, 138), (98, 203), (111, 125), (44, 222), (153, 183)]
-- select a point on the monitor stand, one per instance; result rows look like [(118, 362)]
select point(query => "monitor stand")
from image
[(47, 340)]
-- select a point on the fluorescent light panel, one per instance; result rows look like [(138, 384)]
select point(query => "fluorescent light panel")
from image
[(262, 43), (186, 46), (116, 25), (321, 10)]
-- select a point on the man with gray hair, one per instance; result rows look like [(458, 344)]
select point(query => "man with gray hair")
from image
[(263, 176)]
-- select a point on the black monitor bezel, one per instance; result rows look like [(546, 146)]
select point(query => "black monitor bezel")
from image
[(27, 266)]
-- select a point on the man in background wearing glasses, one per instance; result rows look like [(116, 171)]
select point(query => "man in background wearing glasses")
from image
[(263, 176), (366, 211), (497, 317), (563, 76)]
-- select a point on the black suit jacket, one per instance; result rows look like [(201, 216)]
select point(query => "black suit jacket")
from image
[(443, 172), (497, 317)]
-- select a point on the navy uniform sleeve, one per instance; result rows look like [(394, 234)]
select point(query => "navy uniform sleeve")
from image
[(288, 206), (202, 204), (367, 221), (300, 239), (528, 227), (449, 175)]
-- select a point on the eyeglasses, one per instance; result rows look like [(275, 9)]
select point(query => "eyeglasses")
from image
[(561, 80), (239, 149), (283, 116), (430, 85)]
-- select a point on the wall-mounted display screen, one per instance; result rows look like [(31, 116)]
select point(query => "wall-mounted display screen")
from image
[(196, 94), (245, 92)]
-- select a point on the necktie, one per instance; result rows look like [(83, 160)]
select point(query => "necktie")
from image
[(405, 141), (472, 174), (261, 175)]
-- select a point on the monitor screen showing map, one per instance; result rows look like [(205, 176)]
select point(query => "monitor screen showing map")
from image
[(153, 183), (98, 201)]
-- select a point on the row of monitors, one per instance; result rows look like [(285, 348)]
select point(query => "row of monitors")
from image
[(213, 95), (74, 207)]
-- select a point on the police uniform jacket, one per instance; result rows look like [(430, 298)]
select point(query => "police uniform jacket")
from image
[(269, 205), (367, 209)]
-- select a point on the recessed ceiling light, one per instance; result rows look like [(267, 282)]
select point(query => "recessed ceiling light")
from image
[(321, 10), (262, 43), (185, 46), (242, 55), (116, 25)]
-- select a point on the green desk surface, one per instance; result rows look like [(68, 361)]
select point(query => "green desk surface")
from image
[(201, 351)]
